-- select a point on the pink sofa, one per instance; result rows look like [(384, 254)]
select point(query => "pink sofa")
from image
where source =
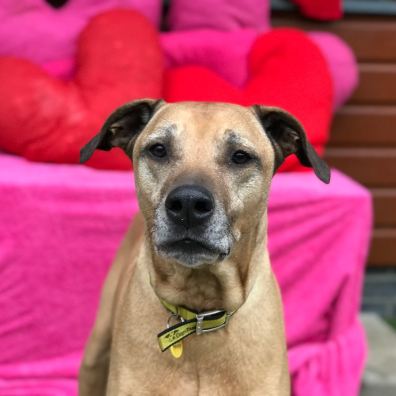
[(60, 228)]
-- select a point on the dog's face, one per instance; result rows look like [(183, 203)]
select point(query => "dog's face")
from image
[(203, 170)]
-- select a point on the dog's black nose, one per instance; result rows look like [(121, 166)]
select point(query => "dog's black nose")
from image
[(189, 205)]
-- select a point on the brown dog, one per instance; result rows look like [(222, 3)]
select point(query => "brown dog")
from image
[(202, 171)]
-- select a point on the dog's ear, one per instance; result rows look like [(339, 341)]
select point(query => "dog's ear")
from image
[(288, 137), (122, 127)]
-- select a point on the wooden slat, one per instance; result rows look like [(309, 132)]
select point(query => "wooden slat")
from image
[(372, 167), (384, 207), (372, 38), (364, 126), (383, 248), (377, 84), (371, 41), (363, 138)]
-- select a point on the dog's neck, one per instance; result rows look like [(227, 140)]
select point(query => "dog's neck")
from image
[(224, 285)]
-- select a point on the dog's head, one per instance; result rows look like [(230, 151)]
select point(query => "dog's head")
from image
[(203, 170)]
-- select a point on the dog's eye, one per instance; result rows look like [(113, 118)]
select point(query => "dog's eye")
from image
[(158, 150), (240, 157)]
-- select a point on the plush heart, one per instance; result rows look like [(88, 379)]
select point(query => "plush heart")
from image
[(286, 69), (46, 119), (326, 10)]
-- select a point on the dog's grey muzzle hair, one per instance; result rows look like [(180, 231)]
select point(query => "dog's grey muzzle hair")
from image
[(191, 227)]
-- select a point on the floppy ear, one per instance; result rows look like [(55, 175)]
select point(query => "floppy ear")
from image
[(122, 127), (288, 137)]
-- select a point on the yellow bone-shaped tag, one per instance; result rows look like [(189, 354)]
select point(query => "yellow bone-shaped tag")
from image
[(177, 350)]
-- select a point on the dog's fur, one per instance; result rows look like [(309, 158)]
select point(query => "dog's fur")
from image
[(230, 271)]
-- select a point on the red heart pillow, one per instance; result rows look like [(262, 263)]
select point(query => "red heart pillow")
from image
[(286, 69), (45, 119)]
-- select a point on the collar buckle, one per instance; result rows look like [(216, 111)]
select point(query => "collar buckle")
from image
[(205, 315)]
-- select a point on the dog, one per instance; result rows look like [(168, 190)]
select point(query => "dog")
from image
[(191, 305)]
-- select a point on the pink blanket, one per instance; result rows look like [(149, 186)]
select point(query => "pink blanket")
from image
[(60, 226)]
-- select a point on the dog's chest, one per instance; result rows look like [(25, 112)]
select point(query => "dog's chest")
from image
[(212, 364), (244, 358)]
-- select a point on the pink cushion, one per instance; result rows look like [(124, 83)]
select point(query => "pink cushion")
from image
[(60, 226), (342, 64), (218, 14), (34, 30), (225, 53)]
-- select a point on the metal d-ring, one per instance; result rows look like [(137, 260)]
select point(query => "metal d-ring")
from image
[(177, 317)]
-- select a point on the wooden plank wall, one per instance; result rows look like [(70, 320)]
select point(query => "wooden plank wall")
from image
[(363, 137)]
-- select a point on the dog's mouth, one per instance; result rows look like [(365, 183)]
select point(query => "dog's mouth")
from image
[(190, 246), (192, 252)]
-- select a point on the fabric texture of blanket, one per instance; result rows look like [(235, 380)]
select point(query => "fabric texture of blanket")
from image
[(61, 226)]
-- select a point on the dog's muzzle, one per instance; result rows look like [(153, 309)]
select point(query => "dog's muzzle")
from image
[(190, 228)]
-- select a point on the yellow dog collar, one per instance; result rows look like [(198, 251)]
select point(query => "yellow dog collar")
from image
[(190, 322)]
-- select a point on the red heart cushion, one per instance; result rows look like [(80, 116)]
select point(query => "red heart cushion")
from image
[(325, 10), (286, 69), (45, 119)]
